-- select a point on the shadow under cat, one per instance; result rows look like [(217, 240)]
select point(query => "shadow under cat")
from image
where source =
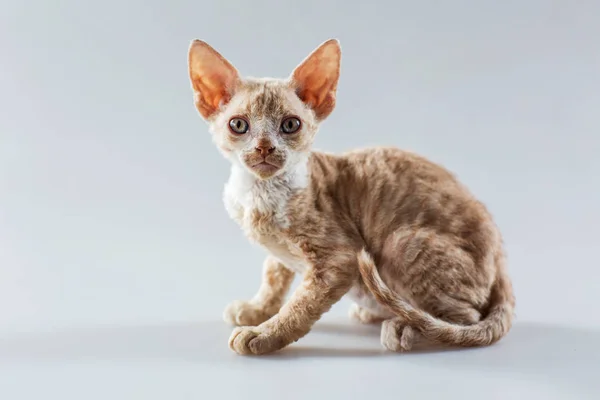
[(566, 355)]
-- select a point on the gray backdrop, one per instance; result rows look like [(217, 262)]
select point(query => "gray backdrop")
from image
[(117, 256)]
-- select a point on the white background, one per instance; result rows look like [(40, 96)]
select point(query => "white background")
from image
[(116, 254)]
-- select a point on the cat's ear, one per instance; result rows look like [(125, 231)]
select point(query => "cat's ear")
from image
[(213, 78), (316, 78)]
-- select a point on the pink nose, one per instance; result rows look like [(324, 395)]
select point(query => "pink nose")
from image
[(264, 149)]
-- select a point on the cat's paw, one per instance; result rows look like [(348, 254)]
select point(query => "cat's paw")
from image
[(246, 340), (362, 315), (395, 336), (243, 313)]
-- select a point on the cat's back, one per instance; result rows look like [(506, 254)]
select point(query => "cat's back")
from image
[(378, 168), (393, 161), (383, 189)]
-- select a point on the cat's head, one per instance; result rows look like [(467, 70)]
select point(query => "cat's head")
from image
[(264, 125)]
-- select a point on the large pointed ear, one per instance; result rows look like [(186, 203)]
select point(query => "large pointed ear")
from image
[(316, 78), (213, 78)]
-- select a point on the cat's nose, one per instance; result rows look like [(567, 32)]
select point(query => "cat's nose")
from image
[(264, 149)]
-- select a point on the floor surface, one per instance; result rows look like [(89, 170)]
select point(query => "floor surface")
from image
[(339, 359)]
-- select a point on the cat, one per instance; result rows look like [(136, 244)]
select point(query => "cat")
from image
[(395, 232)]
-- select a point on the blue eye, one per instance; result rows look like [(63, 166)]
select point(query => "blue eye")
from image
[(238, 125), (290, 125)]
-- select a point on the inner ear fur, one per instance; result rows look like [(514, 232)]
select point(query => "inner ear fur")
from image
[(316, 78), (214, 80)]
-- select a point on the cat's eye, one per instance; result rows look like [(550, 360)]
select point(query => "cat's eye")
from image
[(290, 125), (238, 125)]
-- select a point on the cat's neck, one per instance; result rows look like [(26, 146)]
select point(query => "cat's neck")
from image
[(245, 193)]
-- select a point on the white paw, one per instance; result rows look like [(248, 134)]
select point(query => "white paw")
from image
[(247, 340), (396, 336), (362, 315)]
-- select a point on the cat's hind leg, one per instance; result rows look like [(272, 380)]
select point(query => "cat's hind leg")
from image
[(399, 337), (435, 275)]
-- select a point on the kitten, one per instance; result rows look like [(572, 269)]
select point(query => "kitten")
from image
[(390, 229)]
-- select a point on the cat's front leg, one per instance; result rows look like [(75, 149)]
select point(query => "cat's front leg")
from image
[(276, 281), (321, 288)]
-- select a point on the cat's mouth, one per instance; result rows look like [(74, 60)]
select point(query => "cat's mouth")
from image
[(265, 168)]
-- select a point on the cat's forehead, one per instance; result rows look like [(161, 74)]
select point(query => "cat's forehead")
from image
[(267, 98)]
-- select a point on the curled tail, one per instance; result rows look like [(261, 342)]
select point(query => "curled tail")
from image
[(492, 328)]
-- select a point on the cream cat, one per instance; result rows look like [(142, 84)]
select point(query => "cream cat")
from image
[(392, 230)]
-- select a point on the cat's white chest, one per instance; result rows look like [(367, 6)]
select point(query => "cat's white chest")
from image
[(261, 209), (252, 203)]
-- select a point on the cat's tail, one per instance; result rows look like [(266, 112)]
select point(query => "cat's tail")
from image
[(492, 328)]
